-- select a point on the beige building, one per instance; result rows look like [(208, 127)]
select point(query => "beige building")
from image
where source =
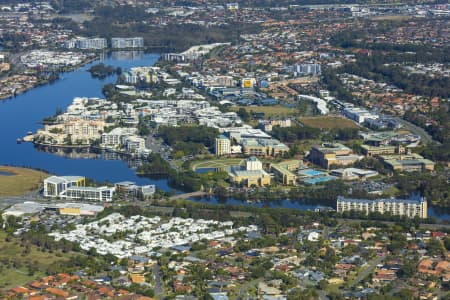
[(250, 174), (337, 154), (263, 147), (396, 207), (408, 163), (284, 172), (381, 150), (84, 129), (223, 146), (79, 130)]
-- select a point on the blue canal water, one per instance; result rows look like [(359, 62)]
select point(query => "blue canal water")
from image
[(286, 203), (23, 113)]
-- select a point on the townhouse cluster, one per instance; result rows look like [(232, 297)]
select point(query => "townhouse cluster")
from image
[(45, 59), (142, 234)]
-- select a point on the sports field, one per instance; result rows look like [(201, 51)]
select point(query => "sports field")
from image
[(269, 111)]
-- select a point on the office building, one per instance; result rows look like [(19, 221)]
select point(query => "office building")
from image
[(263, 147), (127, 43), (140, 191), (223, 145), (101, 194), (368, 150), (408, 163), (54, 186), (396, 207), (329, 154), (73, 187), (283, 173), (250, 174)]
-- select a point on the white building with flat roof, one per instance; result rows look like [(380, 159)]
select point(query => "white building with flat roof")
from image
[(74, 188), (127, 43), (396, 207)]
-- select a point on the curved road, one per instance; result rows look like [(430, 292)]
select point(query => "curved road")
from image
[(425, 137)]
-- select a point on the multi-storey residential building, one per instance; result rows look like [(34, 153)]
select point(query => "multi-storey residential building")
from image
[(396, 207), (94, 43), (134, 144), (307, 69), (223, 145), (127, 43), (116, 136), (84, 129)]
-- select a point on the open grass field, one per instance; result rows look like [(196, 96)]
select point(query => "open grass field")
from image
[(270, 111), (16, 181), (216, 163), (14, 262), (328, 122)]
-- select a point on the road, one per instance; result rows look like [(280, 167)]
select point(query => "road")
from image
[(188, 195), (371, 265), (425, 137), (158, 288)]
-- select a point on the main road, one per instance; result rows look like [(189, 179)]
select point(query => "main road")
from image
[(425, 137)]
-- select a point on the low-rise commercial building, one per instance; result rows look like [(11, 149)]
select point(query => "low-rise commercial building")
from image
[(353, 173), (358, 114)]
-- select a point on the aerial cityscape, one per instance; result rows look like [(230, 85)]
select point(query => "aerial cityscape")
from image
[(246, 150)]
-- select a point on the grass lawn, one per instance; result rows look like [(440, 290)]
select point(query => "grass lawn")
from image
[(269, 111), (328, 122), (11, 276), (216, 163), (19, 181)]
